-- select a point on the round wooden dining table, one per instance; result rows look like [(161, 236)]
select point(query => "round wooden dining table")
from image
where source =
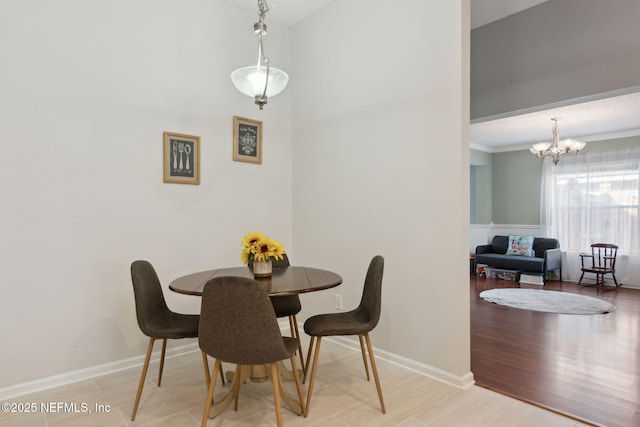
[(291, 280)]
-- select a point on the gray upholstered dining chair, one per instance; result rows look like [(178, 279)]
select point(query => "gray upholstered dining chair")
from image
[(238, 325), (288, 306), (157, 321), (359, 322)]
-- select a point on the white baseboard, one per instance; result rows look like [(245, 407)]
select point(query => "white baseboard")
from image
[(18, 390), (462, 382), (88, 373)]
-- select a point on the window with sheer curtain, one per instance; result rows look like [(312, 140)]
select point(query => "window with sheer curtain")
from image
[(592, 198)]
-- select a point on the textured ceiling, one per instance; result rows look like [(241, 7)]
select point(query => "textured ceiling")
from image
[(605, 118)]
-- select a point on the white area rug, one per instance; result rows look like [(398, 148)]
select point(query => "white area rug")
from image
[(548, 301)]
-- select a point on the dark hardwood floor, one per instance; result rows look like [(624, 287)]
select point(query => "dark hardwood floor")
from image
[(584, 366)]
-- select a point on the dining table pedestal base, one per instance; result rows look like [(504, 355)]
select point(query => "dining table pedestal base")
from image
[(259, 374), (256, 373)]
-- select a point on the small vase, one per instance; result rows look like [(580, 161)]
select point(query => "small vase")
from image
[(262, 268)]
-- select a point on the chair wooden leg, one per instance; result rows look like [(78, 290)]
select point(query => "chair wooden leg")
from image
[(291, 329), (614, 280), (375, 372), (580, 281), (212, 386), (313, 371), (164, 351), (293, 322), (221, 374), (296, 377), (207, 374), (236, 387), (364, 356), (306, 366), (143, 376), (276, 392)]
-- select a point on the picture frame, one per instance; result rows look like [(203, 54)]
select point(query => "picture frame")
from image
[(247, 140), (181, 158)]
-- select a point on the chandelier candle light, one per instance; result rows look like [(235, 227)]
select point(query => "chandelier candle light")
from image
[(558, 147), (260, 81)]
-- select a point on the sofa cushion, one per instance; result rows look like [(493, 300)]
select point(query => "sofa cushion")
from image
[(520, 245), (542, 244), (499, 244), (509, 262)]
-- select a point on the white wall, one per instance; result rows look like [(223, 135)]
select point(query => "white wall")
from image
[(86, 90), (381, 166), (378, 164)]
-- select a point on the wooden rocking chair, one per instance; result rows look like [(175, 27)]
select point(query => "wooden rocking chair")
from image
[(603, 261)]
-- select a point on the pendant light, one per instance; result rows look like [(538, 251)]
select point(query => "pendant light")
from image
[(260, 81), (557, 148)]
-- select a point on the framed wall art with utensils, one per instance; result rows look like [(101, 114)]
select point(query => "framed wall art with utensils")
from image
[(181, 156)]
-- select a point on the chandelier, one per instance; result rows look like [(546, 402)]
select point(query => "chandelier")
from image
[(260, 81), (557, 148)]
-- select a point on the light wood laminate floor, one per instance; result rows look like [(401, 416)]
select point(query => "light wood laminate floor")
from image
[(342, 397)]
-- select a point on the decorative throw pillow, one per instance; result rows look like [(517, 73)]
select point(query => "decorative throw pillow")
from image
[(520, 245)]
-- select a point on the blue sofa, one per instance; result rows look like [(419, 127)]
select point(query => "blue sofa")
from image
[(548, 256)]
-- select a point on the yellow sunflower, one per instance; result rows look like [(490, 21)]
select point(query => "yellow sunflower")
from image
[(244, 256), (258, 247), (251, 239), (276, 250), (262, 252)]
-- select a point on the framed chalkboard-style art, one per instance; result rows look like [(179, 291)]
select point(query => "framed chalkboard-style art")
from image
[(247, 140), (181, 158)]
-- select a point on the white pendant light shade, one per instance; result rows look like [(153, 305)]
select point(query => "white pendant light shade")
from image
[(574, 146), (251, 80), (260, 81), (539, 147)]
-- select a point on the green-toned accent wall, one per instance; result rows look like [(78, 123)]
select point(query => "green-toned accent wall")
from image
[(511, 182), (516, 188), (480, 187)]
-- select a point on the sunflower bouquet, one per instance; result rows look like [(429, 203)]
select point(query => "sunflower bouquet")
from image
[(257, 247)]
